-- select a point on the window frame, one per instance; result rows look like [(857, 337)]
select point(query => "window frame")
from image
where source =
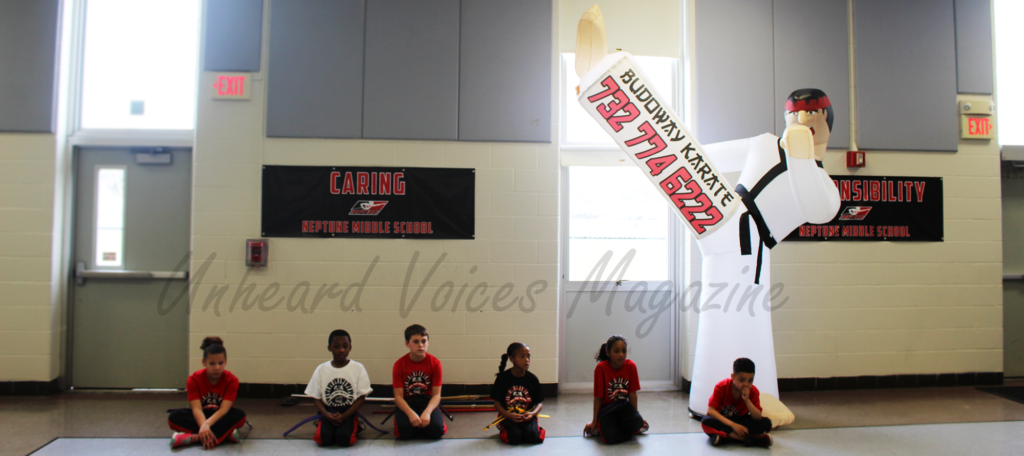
[(593, 155), (87, 137)]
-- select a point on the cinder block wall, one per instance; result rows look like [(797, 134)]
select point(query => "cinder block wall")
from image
[(883, 308), (28, 323), (516, 242)]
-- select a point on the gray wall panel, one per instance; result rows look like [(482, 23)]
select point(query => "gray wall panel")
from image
[(735, 72), (973, 46), (28, 56), (505, 71), (233, 35), (812, 51), (906, 74), (411, 89), (315, 73)]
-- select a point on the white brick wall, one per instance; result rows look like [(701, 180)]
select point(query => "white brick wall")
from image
[(880, 308), (854, 309), (27, 326), (516, 243)]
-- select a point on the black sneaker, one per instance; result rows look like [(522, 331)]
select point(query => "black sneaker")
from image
[(716, 439), (763, 440)]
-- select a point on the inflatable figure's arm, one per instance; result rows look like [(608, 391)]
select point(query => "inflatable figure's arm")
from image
[(815, 193)]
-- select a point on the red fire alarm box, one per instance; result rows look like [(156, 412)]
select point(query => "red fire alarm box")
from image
[(256, 253), (855, 159)]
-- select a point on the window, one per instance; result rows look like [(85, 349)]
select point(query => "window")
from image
[(616, 208), (109, 230), (140, 64), (613, 208), (1009, 67), (579, 129)]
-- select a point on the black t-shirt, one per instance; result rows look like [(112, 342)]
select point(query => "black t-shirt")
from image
[(522, 392)]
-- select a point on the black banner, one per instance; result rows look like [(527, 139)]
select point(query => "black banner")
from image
[(368, 202), (875, 208)]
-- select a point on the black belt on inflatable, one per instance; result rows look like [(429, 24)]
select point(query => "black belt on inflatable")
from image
[(748, 196)]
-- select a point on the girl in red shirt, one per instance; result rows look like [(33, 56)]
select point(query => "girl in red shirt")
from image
[(615, 385), (210, 418)]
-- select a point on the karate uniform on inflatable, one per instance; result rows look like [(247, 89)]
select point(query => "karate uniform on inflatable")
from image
[(781, 186)]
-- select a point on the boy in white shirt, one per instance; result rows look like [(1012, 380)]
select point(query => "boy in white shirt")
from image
[(340, 387)]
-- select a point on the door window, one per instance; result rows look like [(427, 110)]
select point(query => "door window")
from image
[(109, 240)]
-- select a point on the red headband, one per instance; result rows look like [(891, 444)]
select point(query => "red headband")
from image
[(808, 105)]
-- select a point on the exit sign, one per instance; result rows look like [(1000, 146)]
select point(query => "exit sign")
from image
[(976, 120), (231, 86), (980, 127)]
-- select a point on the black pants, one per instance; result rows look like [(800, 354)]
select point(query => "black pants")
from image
[(328, 434), (406, 431), (620, 423), (515, 433), (755, 427), (182, 420)]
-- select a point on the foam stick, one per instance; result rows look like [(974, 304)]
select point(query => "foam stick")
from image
[(503, 417)]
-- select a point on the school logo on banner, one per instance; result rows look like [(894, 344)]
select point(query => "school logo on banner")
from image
[(339, 393), (364, 207), (629, 109), (854, 212)]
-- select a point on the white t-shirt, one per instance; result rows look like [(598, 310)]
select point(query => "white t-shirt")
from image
[(339, 387)]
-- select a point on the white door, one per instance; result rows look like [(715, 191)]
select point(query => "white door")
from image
[(132, 225), (618, 265)]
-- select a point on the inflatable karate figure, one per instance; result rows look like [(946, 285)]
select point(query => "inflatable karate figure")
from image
[(781, 186)]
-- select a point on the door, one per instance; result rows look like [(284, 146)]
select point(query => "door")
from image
[(1013, 269), (132, 224), (618, 274)]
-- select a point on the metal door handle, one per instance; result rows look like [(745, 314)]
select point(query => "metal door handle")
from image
[(81, 274)]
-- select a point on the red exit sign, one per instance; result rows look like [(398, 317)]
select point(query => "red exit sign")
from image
[(980, 127), (231, 86)]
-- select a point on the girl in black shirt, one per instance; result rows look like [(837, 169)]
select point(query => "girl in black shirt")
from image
[(518, 397)]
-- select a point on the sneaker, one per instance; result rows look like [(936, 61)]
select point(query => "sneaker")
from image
[(362, 425), (763, 440), (180, 439), (234, 436), (643, 428), (716, 439)]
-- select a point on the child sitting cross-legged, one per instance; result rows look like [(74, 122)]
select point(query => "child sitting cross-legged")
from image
[(734, 411)]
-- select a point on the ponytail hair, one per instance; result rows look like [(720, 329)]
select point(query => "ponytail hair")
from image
[(509, 352), (602, 353), (213, 345)]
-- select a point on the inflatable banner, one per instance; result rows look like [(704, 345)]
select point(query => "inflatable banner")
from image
[(616, 93)]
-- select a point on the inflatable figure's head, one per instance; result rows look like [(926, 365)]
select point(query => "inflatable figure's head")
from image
[(811, 107)]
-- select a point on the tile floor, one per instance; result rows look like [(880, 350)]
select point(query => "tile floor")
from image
[(830, 421)]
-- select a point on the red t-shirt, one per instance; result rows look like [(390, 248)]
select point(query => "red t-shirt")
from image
[(199, 388), (615, 384), (729, 406), (416, 379)]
